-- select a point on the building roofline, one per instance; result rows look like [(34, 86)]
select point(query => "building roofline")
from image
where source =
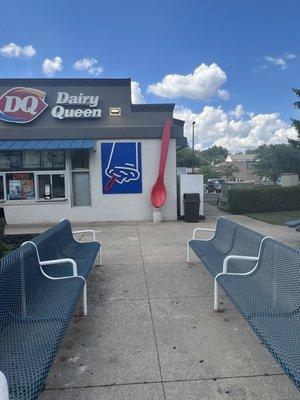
[(178, 122), (153, 107), (66, 81)]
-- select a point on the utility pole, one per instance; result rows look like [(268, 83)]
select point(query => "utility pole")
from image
[(193, 147)]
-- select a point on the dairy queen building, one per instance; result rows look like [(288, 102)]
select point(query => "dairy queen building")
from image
[(79, 149)]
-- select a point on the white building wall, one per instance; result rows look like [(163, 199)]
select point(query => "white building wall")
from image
[(108, 207)]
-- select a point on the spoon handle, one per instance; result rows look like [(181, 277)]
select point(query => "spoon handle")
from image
[(164, 147)]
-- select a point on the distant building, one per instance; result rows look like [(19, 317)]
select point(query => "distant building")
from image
[(245, 165)]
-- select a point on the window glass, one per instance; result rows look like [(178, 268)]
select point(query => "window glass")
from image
[(20, 186), (51, 186), (58, 158), (58, 186), (31, 159), (80, 159), (4, 161), (1, 188), (44, 186), (15, 160), (46, 159)]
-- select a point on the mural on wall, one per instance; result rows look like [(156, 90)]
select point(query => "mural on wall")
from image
[(121, 167)]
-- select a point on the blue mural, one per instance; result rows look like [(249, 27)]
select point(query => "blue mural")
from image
[(121, 167)]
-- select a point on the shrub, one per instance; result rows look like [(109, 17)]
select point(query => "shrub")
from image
[(4, 249), (263, 199)]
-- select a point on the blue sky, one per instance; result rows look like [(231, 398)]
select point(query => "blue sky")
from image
[(250, 51)]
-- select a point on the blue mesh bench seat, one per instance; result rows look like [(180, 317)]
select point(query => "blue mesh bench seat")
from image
[(294, 223), (69, 257), (269, 299), (58, 242), (229, 238), (35, 311)]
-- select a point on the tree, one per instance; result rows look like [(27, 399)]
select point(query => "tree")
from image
[(215, 154), (209, 172), (296, 123), (212, 155), (275, 159), (185, 158), (228, 170)]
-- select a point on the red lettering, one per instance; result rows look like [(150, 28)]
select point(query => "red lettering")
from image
[(21, 176)]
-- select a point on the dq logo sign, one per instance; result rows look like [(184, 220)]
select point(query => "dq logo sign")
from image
[(21, 105)]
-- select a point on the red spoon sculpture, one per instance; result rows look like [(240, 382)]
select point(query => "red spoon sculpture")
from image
[(159, 193)]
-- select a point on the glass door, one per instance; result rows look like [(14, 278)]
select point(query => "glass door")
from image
[(81, 188)]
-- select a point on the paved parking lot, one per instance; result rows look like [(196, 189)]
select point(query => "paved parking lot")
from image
[(151, 333)]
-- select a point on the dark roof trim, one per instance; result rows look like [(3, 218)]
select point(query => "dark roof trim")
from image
[(65, 81), (181, 142), (128, 132), (153, 107), (178, 122)]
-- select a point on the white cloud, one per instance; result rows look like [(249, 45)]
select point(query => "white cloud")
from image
[(50, 66), (223, 94), (289, 56), (277, 61), (13, 50), (136, 93), (238, 112), (235, 130), (203, 84), (88, 64)]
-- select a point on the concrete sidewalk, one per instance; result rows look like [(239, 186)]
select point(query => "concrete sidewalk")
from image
[(151, 333)]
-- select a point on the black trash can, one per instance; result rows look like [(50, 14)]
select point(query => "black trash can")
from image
[(191, 203)]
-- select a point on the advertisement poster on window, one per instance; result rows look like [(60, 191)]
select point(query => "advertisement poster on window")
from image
[(20, 186), (15, 192), (121, 167), (27, 189)]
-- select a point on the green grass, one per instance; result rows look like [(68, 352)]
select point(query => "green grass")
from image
[(275, 218)]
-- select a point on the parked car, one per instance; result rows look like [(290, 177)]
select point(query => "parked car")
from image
[(214, 185)]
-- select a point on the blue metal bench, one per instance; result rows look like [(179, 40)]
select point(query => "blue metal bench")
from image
[(35, 310), (69, 256), (229, 239), (269, 299), (293, 223)]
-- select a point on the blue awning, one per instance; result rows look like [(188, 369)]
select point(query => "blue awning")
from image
[(51, 144)]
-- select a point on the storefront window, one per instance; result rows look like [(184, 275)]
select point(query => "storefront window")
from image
[(58, 159), (1, 188), (51, 186), (80, 159), (46, 159), (15, 160), (4, 161), (20, 186), (31, 159)]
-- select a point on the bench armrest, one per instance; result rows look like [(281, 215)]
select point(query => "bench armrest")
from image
[(234, 257), (60, 261), (87, 231), (204, 230), (3, 387)]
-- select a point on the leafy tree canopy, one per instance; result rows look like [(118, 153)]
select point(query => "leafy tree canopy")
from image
[(276, 159), (212, 155), (296, 123)]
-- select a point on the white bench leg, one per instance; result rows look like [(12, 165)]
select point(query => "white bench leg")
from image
[(100, 256), (3, 387), (84, 298), (188, 252), (216, 300)]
